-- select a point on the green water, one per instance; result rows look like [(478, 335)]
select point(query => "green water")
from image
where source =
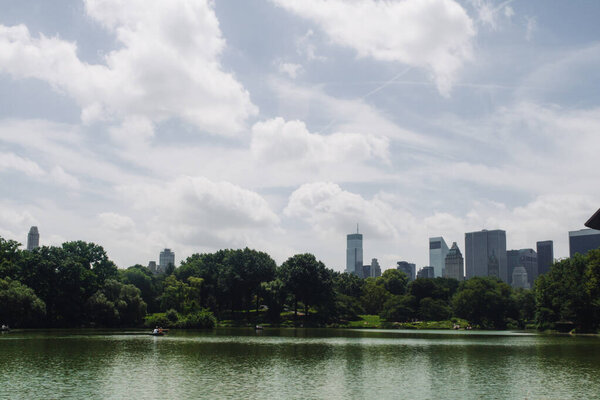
[(300, 364)]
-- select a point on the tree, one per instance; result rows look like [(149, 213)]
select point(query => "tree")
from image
[(274, 294), (568, 293), (398, 308), (524, 300), (307, 280), (394, 281), (19, 306), (484, 301), (434, 310), (143, 279), (173, 295), (93, 257), (374, 296), (348, 284), (116, 304), (10, 256)]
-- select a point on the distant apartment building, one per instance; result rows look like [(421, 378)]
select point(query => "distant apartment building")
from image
[(438, 249), (33, 238), (166, 258), (426, 272), (152, 267), (409, 269), (375, 270), (545, 256), (520, 278), (354, 254), (454, 264), (583, 240), (485, 254), (526, 258)]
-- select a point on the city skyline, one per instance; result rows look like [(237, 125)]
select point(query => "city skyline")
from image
[(278, 125)]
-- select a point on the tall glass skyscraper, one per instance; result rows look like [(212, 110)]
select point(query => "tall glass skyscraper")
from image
[(485, 254), (354, 254), (438, 249), (545, 254), (583, 240), (33, 238)]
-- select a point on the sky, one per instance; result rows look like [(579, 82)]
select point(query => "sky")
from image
[(280, 125)]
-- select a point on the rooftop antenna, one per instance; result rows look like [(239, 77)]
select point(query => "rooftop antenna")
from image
[(357, 227)]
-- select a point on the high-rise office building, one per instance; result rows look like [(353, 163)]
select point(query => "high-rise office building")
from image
[(454, 264), (512, 261), (166, 258), (438, 249), (354, 254), (375, 268), (526, 258), (485, 254), (33, 238), (583, 241), (520, 278), (409, 269), (426, 272), (545, 256), (366, 271)]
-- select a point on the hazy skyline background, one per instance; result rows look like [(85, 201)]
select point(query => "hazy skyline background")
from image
[(278, 125)]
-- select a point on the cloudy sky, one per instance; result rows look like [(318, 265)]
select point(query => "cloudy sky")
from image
[(281, 124)]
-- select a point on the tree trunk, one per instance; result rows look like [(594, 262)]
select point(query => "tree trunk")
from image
[(295, 309)]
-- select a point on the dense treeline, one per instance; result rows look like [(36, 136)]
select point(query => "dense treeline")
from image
[(77, 285)]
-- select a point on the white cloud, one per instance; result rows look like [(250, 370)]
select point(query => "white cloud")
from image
[(277, 140), (290, 69), (188, 209), (63, 178), (305, 47), (134, 131), (116, 222), (530, 27), (342, 115), (331, 210), (15, 222), (10, 161), (168, 65), (433, 34), (509, 12)]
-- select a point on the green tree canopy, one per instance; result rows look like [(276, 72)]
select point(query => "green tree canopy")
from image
[(486, 302)]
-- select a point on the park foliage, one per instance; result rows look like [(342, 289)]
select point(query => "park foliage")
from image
[(77, 285)]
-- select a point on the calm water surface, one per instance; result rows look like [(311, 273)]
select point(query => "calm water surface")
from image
[(298, 364)]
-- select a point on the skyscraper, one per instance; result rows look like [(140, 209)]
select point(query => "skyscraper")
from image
[(152, 267), (454, 264), (583, 240), (425, 272), (438, 249), (166, 258), (375, 268), (545, 254), (33, 238), (354, 254), (519, 278), (526, 258), (485, 253), (408, 268)]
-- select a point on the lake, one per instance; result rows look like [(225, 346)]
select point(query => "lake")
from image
[(298, 364)]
